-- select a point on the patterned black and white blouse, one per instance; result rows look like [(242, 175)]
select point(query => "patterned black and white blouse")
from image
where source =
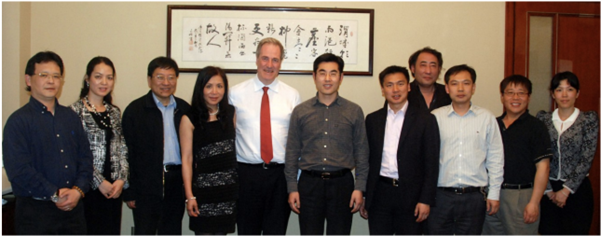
[(96, 136), (572, 161)]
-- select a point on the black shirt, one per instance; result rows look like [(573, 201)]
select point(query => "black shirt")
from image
[(524, 143), (44, 152), (440, 98)]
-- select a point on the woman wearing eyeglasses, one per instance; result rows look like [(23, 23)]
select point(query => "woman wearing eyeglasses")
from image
[(568, 207), (102, 122)]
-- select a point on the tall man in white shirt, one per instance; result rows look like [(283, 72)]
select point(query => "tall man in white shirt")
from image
[(263, 108), (471, 158)]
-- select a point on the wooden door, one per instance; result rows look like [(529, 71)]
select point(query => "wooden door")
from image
[(574, 46)]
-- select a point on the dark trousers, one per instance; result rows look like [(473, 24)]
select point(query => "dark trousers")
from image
[(103, 216), (263, 200), (162, 215), (574, 218), (33, 217), (325, 200), (387, 216), (457, 213)]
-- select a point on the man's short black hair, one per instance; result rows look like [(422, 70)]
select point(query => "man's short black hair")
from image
[(163, 63), (459, 68), (516, 80), (415, 55), (42, 57), (328, 57), (392, 70)]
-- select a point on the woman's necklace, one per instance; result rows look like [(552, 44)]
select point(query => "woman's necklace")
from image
[(102, 118), (215, 113)]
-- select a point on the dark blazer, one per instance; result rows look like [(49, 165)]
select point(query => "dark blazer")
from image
[(143, 131), (417, 155)]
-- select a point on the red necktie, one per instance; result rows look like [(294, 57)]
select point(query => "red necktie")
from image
[(266, 147)]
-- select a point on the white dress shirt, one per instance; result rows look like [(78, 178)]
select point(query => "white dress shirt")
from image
[(246, 97), (471, 149), (561, 126), (392, 135)]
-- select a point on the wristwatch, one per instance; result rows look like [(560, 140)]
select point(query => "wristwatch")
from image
[(54, 198)]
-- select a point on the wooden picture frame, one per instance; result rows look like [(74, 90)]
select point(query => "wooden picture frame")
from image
[(226, 36)]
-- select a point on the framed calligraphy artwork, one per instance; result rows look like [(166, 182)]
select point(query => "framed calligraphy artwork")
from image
[(227, 36)]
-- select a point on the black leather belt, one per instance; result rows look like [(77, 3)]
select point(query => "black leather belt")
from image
[(264, 165), (326, 174), (516, 186), (168, 168), (389, 181), (461, 190)]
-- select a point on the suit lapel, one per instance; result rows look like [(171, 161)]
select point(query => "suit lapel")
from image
[(407, 125), (380, 126)]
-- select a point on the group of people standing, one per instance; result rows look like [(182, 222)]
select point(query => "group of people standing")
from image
[(242, 158)]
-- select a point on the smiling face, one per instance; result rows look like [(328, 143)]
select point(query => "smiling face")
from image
[(213, 92), (163, 83), (565, 95), (515, 99), (460, 88), (45, 82), (101, 81), (395, 89), (327, 78), (268, 63), (426, 69)]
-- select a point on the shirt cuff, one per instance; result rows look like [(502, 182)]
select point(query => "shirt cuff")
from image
[(360, 185), (566, 187), (493, 195), (292, 187)]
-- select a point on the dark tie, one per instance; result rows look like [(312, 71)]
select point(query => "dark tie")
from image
[(266, 147)]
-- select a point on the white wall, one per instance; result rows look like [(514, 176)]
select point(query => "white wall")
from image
[(133, 33)]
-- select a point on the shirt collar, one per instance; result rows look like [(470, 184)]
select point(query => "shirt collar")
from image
[(452, 110), (522, 116), (259, 85), (403, 110), (572, 118), (338, 101), (160, 104), (39, 106)]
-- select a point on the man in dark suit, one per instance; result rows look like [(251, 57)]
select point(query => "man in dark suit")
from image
[(404, 147)]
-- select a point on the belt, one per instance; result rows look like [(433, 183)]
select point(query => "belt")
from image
[(41, 199), (461, 190), (516, 186), (264, 165), (326, 174), (168, 168), (389, 181)]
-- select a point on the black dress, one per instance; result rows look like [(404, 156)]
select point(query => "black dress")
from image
[(214, 175)]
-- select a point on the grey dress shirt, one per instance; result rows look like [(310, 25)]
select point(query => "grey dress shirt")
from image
[(327, 138)]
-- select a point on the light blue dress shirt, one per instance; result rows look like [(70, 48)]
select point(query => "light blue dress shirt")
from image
[(471, 149), (171, 153)]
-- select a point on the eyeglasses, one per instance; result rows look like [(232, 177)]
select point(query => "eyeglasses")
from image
[(520, 94), (162, 78), (46, 75)]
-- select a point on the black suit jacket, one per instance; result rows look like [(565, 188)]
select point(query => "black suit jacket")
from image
[(417, 156)]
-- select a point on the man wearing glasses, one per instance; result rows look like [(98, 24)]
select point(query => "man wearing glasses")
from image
[(150, 127), (47, 155)]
